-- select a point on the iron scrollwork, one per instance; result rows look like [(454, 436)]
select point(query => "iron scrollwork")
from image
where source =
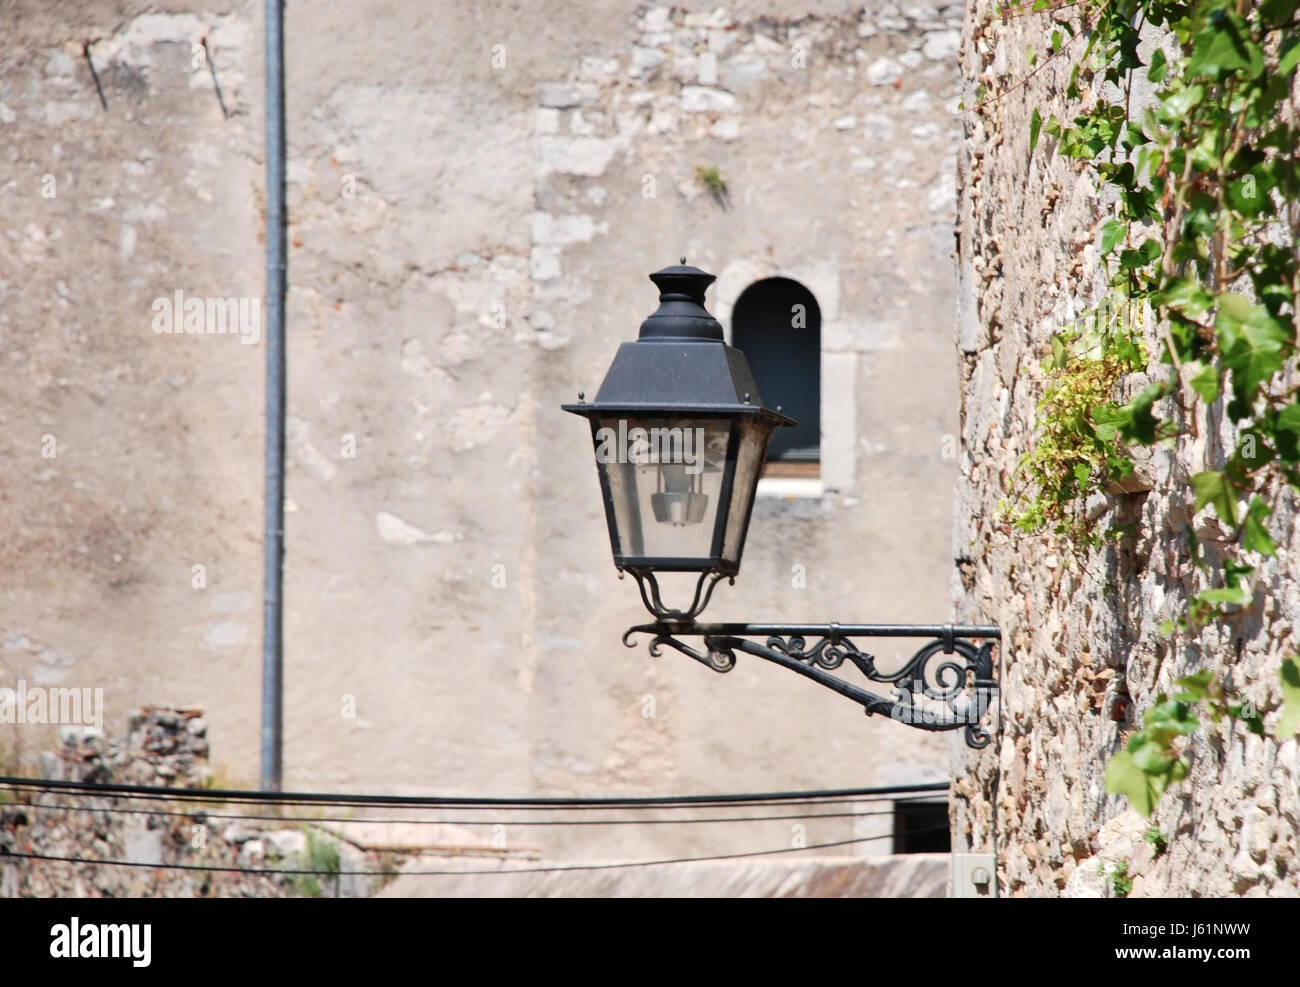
[(649, 587), (947, 684)]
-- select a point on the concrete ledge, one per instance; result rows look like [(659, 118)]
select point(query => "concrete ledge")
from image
[(918, 875)]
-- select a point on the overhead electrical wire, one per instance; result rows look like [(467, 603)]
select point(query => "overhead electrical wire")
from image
[(200, 814), (252, 797), (556, 868), (825, 798)]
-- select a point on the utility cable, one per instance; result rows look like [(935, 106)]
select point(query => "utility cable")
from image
[(214, 868), (199, 815), (230, 796)]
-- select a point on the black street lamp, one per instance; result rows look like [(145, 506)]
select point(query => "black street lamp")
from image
[(680, 436)]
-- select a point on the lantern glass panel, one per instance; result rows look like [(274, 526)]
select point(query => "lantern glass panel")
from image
[(750, 456), (667, 488)]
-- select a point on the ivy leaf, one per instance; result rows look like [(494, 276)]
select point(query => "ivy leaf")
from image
[(1129, 352), (1255, 537), (1253, 454), (1204, 381), (1177, 106), (1131, 260), (1214, 488), (1112, 232), (1136, 422), (1249, 195), (1251, 340), (1060, 354), (1195, 686), (1288, 418), (1237, 596), (1288, 450), (1141, 257), (1277, 12), (1186, 297), (1287, 434), (1159, 67), (1035, 125), (1106, 421), (1289, 58), (1150, 757), (1167, 719), (1205, 151), (1200, 218), (1217, 48), (1245, 712), (1178, 770), (1289, 723), (1234, 309), (1124, 777), (1128, 57), (1235, 572), (1060, 351)]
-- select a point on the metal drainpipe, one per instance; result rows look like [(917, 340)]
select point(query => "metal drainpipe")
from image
[(273, 543)]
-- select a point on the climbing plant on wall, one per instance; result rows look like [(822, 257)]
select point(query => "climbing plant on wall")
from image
[(1206, 190)]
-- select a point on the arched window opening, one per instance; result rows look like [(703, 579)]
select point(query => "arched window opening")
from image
[(777, 324)]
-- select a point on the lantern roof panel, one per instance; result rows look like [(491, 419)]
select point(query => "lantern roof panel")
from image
[(679, 364)]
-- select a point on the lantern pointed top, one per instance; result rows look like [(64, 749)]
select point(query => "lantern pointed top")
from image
[(681, 313), (680, 363)]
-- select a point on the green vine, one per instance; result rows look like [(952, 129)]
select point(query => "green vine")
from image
[(1077, 448), (1207, 208), (1154, 757)]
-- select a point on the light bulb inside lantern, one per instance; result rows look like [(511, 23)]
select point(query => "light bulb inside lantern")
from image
[(679, 500)]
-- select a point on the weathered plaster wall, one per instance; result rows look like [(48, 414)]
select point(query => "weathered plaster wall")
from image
[(1077, 637), (470, 234)]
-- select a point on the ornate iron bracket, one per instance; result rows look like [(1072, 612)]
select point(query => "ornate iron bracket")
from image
[(930, 691), (655, 605)]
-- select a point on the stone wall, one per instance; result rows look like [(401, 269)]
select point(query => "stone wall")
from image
[(471, 223), (1079, 638)]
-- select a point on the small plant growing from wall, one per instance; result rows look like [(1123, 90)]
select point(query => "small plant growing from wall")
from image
[(710, 179), (322, 857), (1077, 448), (1121, 885), (1158, 841)]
